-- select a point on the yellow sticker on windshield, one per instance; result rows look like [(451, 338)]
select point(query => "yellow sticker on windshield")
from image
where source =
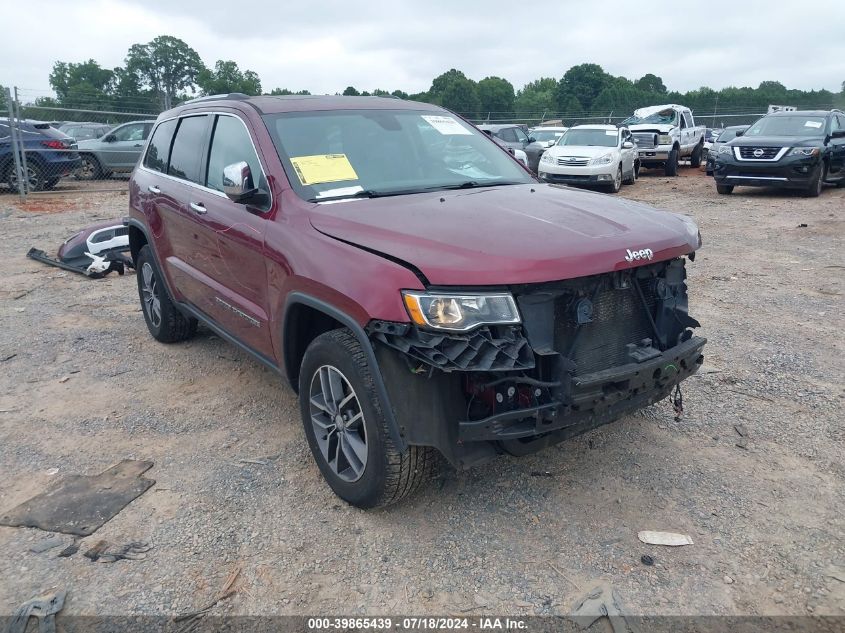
[(313, 170)]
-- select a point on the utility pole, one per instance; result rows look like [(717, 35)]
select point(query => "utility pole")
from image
[(16, 145)]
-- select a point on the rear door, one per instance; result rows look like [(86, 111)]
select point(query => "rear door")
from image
[(228, 238)]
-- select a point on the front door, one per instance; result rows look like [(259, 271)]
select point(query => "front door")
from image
[(122, 153), (228, 241)]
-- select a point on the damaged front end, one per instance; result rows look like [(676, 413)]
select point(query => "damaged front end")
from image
[(587, 352)]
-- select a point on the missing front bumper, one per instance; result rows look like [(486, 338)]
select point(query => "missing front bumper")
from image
[(594, 399)]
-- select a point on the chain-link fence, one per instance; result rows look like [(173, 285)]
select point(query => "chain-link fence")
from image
[(48, 148)]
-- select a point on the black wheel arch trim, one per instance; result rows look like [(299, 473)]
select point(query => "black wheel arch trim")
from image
[(300, 298)]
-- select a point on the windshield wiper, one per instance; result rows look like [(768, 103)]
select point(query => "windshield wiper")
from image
[(374, 193), (475, 184)]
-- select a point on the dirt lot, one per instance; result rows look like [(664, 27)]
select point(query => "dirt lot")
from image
[(83, 386)]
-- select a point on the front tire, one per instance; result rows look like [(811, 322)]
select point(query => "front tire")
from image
[(724, 190), (671, 167), (164, 321), (695, 159), (616, 185), (816, 185), (347, 431)]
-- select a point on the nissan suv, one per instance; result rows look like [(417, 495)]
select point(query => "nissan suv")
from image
[(788, 149), (422, 292)]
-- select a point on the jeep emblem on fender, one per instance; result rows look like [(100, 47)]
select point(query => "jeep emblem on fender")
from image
[(631, 256)]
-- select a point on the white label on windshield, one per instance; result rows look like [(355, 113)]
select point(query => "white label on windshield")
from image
[(610, 132), (445, 124), (340, 191), (814, 124)]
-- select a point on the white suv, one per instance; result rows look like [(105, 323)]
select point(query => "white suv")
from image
[(603, 155)]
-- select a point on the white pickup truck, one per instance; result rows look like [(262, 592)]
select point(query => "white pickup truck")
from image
[(664, 135)]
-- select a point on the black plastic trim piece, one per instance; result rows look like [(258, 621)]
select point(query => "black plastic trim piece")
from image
[(295, 298)]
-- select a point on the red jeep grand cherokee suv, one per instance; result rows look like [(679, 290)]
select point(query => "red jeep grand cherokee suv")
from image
[(420, 290)]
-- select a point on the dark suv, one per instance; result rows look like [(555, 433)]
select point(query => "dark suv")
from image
[(419, 289), (793, 150), (48, 154)]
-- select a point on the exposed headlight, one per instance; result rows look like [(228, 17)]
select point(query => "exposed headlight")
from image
[(664, 139), (460, 312), (602, 160), (725, 149), (692, 228), (804, 151), (547, 158)]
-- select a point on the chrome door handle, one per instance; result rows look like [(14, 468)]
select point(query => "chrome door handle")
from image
[(198, 207), (154, 189)]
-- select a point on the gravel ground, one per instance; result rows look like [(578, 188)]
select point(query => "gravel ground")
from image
[(83, 386)]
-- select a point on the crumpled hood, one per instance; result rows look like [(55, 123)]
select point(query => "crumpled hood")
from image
[(660, 128), (580, 150), (507, 235)]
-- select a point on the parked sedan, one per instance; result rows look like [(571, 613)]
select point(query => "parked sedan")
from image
[(602, 155), (728, 134), (513, 135), (118, 151), (85, 131)]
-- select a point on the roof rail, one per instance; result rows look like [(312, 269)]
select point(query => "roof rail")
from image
[(232, 96)]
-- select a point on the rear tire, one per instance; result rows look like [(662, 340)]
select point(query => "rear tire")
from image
[(347, 431), (164, 321), (90, 169), (695, 159), (34, 176), (725, 190), (671, 167)]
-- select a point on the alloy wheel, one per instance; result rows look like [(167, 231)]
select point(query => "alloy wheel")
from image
[(149, 288), (87, 169), (33, 182), (338, 422)]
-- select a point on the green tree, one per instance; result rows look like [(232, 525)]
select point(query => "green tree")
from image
[(496, 95), (81, 85), (350, 92), (583, 83), (227, 77), (454, 91), (284, 91), (537, 97), (167, 65), (404, 95), (650, 83)]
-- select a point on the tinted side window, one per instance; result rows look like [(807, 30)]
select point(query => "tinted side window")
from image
[(186, 155), (521, 136), (508, 135), (231, 144), (158, 151)]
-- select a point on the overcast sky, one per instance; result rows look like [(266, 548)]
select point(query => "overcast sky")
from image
[(323, 46)]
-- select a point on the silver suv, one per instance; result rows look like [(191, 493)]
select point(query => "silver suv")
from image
[(117, 151)]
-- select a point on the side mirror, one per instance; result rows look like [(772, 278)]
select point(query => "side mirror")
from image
[(739, 132), (838, 134), (237, 182), (531, 139), (109, 138), (627, 145)]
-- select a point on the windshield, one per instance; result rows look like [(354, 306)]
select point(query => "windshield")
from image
[(728, 135), (546, 135), (788, 126), (351, 153), (664, 117), (590, 137)]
